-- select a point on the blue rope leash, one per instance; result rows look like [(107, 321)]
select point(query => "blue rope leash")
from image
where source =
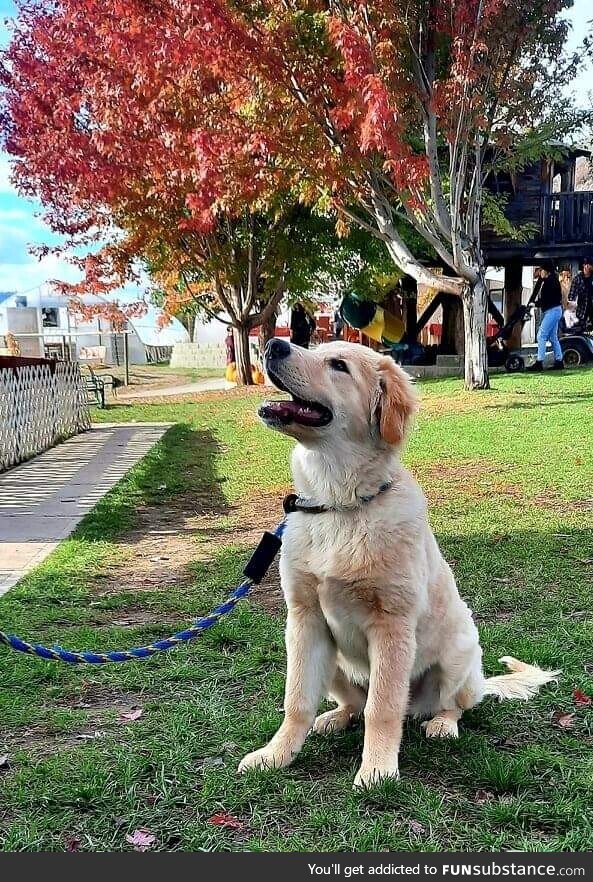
[(255, 571)]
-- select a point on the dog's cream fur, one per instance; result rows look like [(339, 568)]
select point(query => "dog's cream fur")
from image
[(375, 620)]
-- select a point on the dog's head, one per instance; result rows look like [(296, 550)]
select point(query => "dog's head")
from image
[(338, 390)]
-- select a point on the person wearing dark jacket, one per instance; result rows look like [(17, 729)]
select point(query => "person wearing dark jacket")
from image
[(302, 326), (548, 296)]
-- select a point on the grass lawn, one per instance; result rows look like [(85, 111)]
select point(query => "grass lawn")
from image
[(509, 475)]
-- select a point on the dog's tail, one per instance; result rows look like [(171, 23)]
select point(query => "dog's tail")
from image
[(523, 683)]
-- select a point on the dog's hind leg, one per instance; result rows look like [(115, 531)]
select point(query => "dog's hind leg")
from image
[(455, 696), (443, 724), (350, 699)]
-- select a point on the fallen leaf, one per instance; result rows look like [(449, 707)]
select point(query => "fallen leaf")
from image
[(4, 763), (222, 819), (72, 843), (417, 828), (141, 839), (563, 720), (582, 698), (134, 714)]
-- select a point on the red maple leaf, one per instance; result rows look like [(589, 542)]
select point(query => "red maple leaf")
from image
[(223, 819), (582, 698)]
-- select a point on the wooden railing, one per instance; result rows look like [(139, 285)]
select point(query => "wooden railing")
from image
[(567, 217)]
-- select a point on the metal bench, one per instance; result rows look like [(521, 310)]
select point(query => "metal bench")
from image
[(94, 385)]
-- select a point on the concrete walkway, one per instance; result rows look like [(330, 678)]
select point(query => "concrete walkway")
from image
[(214, 385), (42, 501)]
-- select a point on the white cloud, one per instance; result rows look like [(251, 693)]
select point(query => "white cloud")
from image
[(32, 273)]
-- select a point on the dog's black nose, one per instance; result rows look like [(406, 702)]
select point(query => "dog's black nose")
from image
[(277, 348)]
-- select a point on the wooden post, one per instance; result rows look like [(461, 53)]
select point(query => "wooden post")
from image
[(126, 360), (513, 294), (410, 295)]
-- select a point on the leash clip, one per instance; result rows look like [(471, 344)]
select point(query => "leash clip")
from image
[(289, 503), (292, 503)]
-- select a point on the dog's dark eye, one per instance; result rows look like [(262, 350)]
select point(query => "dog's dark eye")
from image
[(336, 364)]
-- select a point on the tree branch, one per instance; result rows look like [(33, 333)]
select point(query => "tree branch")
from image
[(402, 256), (260, 317)]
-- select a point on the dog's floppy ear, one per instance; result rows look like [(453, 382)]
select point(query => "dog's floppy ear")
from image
[(396, 401)]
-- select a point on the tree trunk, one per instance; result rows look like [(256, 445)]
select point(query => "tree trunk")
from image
[(267, 330), (242, 356), (475, 311)]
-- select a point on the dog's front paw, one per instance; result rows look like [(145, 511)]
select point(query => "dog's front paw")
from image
[(264, 758), (367, 776)]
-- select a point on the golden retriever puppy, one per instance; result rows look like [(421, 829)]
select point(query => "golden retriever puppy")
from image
[(375, 620)]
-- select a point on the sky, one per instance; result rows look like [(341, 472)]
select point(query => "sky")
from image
[(21, 225)]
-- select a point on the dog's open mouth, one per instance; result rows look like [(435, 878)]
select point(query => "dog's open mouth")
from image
[(294, 409)]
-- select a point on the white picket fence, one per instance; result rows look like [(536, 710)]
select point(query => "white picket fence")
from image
[(38, 409)]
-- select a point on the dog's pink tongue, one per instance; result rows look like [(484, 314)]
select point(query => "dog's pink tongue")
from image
[(291, 411)]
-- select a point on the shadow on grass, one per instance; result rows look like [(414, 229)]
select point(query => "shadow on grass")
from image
[(558, 401), (180, 467), (148, 511)]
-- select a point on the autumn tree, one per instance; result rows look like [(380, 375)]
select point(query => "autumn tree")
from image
[(400, 108), (289, 253), (101, 109), (101, 121), (235, 274)]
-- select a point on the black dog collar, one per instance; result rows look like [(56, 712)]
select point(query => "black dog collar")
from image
[(293, 502)]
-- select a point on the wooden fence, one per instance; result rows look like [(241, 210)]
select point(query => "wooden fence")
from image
[(41, 404)]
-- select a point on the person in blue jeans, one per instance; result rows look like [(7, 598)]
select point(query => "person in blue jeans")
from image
[(548, 296)]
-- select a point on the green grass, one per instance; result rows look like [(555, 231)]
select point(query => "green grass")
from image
[(509, 474)]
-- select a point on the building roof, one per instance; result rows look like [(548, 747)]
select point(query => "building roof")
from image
[(150, 334), (571, 149)]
